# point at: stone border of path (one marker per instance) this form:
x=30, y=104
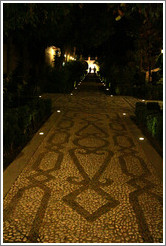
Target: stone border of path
x=12, y=172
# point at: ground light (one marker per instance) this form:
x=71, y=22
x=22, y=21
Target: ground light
x=58, y=111
x=107, y=89
x=40, y=96
x=124, y=113
x=41, y=133
x=111, y=95
x=71, y=94
x=141, y=138
x=75, y=88
x=143, y=100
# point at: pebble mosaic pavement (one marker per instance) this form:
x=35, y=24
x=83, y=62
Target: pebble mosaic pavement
x=88, y=182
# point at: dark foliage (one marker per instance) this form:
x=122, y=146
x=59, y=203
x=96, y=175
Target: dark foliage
x=151, y=117
x=61, y=80
x=19, y=124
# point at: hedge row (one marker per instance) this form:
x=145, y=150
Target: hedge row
x=146, y=91
x=19, y=123
x=150, y=116
x=62, y=79
x=150, y=92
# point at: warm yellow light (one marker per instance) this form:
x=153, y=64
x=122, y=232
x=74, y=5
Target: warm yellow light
x=52, y=51
x=118, y=18
x=41, y=133
x=141, y=138
x=124, y=113
x=72, y=58
x=58, y=111
x=92, y=66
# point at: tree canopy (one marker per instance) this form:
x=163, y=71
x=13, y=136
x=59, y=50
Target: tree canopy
x=119, y=34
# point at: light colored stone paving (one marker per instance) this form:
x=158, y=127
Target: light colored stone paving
x=88, y=182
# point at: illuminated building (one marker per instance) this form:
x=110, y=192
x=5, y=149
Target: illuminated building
x=50, y=54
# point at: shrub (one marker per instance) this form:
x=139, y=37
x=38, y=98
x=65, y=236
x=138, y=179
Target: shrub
x=24, y=117
x=155, y=126
x=20, y=123
x=153, y=106
x=148, y=91
x=54, y=80
x=117, y=90
x=141, y=112
x=151, y=117
x=11, y=128
x=151, y=124
x=62, y=79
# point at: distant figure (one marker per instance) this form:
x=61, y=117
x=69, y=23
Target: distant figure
x=94, y=69
x=90, y=70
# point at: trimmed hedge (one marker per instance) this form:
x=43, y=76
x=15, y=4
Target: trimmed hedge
x=20, y=123
x=155, y=126
x=150, y=92
x=62, y=79
x=141, y=113
x=150, y=116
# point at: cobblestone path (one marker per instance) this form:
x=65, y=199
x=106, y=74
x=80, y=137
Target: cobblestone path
x=89, y=181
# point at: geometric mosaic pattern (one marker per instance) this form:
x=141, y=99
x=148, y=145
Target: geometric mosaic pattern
x=88, y=182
